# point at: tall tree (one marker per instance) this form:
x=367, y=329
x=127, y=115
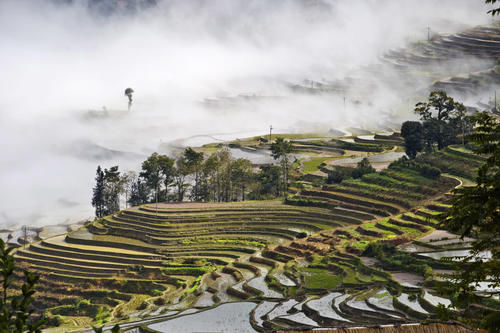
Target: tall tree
x=139, y=193
x=194, y=162
x=113, y=186
x=281, y=149
x=127, y=180
x=168, y=171
x=412, y=132
x=152, y=174
x=181, y=172
x=476, y=210
x=220, y=180
x=268, y=182
x=209, y=170
x=242, y=174
x=98, y=193
x=437, y=115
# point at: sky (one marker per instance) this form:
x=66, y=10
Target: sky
x=59, y=61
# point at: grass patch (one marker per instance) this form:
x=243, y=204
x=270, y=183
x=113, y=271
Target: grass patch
x=317, y=278
x=314, y=164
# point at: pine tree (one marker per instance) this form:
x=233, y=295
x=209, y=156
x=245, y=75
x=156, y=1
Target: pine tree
x=98, y=193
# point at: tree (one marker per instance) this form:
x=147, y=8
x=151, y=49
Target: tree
x=15, y=305
x=281, y=149
x=98, y=193
x=181, y=172
x=127, y=180
x=218, y=168
x=194, y=162
x=209, y=184
x=437, y=115
x=475, y=211
x=152, y=173
x=167, y=170
x=362, y=168
x=268, y=182
x=412, y=132
x=128, y=93
x=241, y=175
x=113, y=186
x=139, y=193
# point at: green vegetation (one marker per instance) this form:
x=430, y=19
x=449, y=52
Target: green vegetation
x=314, y=164
x=16, y=300
x=476, y=211
x=317, y=278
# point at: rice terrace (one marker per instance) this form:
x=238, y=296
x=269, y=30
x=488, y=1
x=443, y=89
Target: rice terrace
x=371, y=204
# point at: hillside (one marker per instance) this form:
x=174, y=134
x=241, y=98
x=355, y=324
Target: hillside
x=297, y=261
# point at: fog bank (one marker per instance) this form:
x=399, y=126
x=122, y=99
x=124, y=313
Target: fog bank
x=60, y=60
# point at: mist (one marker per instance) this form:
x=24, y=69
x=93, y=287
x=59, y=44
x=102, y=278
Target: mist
x=61, y=60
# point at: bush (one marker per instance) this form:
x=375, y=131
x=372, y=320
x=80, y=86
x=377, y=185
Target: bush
x=160, y=301
x=334, y=177
x=363, y=168
x=143, y=305
x=423, y=169
x=302, y=234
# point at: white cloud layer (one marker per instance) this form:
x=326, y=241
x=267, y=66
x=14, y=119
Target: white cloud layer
x=59, y=61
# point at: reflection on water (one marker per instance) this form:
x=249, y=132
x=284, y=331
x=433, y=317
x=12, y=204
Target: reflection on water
x=229, y=317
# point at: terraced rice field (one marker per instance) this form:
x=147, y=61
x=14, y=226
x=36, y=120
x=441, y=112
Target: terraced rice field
x=286, y=264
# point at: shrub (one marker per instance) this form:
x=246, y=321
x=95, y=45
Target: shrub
x=334, y=177
x=143, y=305
x=302, y=234
x=422, y=168
x=160, y=301
x=363, y=168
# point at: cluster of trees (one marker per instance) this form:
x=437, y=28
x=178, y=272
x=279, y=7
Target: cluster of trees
x=443, y=121
x=339, y=173
x=217, y=178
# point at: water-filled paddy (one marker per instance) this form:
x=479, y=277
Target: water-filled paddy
x=403, y=298
x=383, y=300
x=260, y=284
x=256, y=157
x=221, y=284
x=205, y=300
x=338, y=300
x=284, y=280
x=379, y=158
x=262, y=309
x=301, y=319
x=367, y=137
x=457, y=254
x=436, y=300
x=324, y=306
x=360, y=305
x=282, y=309
x=52, y=230
x=229, y=317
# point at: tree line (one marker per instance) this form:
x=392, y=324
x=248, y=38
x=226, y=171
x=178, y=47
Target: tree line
x=217, y=178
